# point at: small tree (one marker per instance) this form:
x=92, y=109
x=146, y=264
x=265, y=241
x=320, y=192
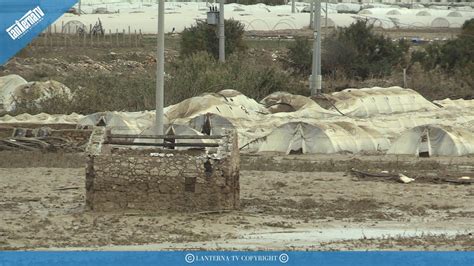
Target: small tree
x=204, y=37
x=373, y=54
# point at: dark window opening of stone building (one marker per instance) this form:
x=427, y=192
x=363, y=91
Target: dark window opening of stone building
x=190, y=184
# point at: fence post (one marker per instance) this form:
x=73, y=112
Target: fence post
x=136, y=39
x=90, y=34
x=117, y=37
x=141, y=38
x=123, y=39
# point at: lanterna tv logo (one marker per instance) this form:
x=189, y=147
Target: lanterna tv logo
x=24, y=24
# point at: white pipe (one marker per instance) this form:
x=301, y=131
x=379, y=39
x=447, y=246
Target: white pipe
x=160, y=58
x=221, y=32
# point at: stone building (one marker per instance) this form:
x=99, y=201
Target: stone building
x=150, y=178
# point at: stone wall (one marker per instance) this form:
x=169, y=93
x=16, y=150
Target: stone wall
x=162, y=179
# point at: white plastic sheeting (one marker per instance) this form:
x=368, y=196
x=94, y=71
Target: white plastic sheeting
x=370, y=101
x=14, y=88
x=179, y=15
x=373, y=122
x=227, y=103
x=8, y=85
x=42, y=119
x=441, y=141
x=322, y=138
x=121, y=122
x=457, y=104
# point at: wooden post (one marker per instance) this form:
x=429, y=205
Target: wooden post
x=123, y=38
x=141, y=38
x=90, y=33
x=45, y=36
x=117, y=37
x=136, y=39
x=76, y=34
x=130, y=36
x=110, y=37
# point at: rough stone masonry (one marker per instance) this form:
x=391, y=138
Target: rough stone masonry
x=161, y=179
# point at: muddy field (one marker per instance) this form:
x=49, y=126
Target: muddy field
x=42, y=206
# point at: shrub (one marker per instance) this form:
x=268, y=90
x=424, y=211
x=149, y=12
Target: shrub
x=187, y=77
x=204, y=37
x=368, y=54
x=299, y=57
x=454, y=55
x=199, y=73
x=355, y=51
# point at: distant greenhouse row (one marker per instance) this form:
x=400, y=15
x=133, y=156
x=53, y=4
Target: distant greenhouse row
x=142, y=16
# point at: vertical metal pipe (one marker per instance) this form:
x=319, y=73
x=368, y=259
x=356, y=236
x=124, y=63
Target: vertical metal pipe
x=160, y=58
x=221, y=32
x=318, y=46
x=326, y=21
x=315, y=80
x=311, y=15
x=293, y=7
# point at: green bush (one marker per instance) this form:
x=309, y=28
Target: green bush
x=204, y=37
x=453, y=55
x=365, y=54
x=354, y=51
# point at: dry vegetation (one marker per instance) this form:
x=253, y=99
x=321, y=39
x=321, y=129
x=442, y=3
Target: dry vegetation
x=119, y=78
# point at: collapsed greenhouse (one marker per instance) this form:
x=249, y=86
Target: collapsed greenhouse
x=371, y=120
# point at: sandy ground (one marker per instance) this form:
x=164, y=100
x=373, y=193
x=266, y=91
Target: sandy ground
x=44, y=208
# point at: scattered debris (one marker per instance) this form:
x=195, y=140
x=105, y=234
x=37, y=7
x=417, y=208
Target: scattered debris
x=66, y=188
x=47, y=143
x=405, y=179
x=399, y=177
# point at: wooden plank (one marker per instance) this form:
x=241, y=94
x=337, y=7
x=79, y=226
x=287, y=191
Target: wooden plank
x=164, y=144
x=125, y=136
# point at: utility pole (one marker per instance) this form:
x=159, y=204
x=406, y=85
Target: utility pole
x=293, y=7
x=221, y=32
x=160, y=59
x=315, y=82
x=326, y=22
